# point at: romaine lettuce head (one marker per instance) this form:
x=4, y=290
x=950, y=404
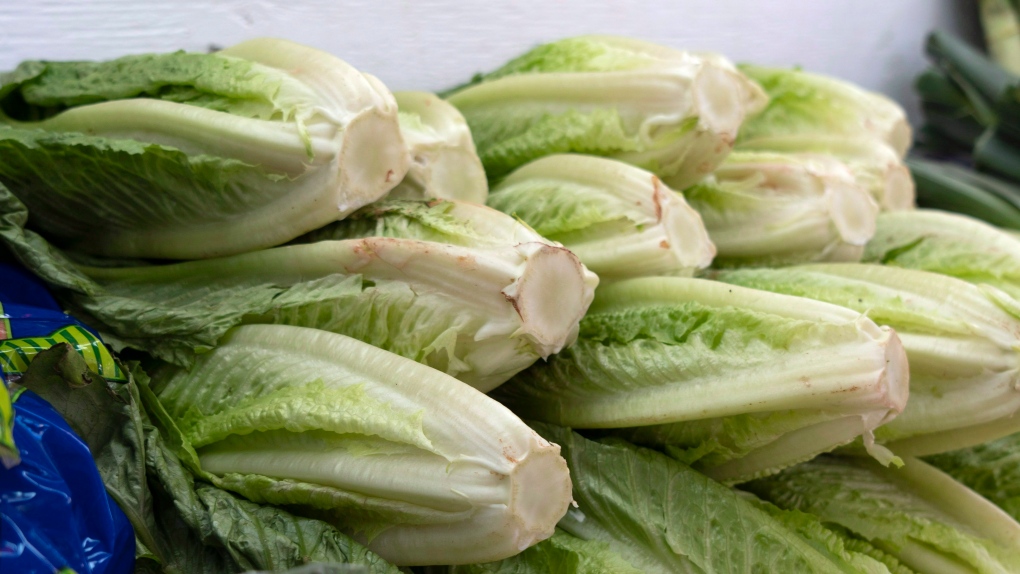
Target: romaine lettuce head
x=421, y=467
x=961, y=341
x=196, y=155
x=458, y=286
x=874, y=164
x=807, y=104
x=920, y=515
x=443, y=163
x=772, y=208
x=620, y=220
x=992, y=469
x=950, y=244
x=738, y=382
x=671, y=112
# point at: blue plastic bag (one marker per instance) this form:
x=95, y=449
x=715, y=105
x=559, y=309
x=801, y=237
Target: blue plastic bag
x=55, y=514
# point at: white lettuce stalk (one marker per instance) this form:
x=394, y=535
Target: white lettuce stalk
x=443, y=164
x=620, y=220
x=961, y=341
x=874, y=164
x=422, y=468
x=674, y=113
x=739, y=382
x=460, y=287
x=917, y=513
x=772, y=208
x=196, y=155
x=807, y=104
x=950, y=244
x=992, y=469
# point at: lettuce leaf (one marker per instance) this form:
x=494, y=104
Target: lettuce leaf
x=563, y=553
x=947, y=243
x=920, y=515
x=661, y=516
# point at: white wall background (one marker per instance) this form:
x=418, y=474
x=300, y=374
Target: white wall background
x=434, y=44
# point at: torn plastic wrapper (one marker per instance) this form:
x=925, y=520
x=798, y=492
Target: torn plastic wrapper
x=55, y=514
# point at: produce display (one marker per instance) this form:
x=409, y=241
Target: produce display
x=612, y=307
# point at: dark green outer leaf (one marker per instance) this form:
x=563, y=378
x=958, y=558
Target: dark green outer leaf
x=662, y=516
x=562, y=554
x=41, y=88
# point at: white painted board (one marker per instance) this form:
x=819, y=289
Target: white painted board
x=435, y=44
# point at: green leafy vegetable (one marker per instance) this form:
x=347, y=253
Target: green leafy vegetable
x=960, y=339
x=673, y=113
x=196, y=155
x=771, y=208
x=918, y=514
x=457, y=286
x=424, y=469
x=620, y=220
x=854, y=553
x=873, y=164
x=443, y=160
x=662, y=517
x=806, y=104
x=950, y=244
x=737, y=381
x=563, y=553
